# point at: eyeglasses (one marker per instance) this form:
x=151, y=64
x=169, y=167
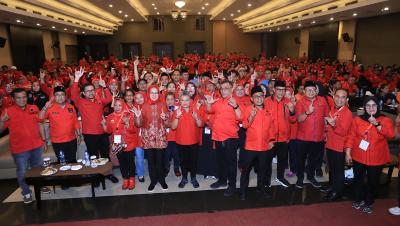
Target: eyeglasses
x=371, y=106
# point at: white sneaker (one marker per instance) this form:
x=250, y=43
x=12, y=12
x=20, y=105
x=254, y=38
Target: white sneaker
x=395, y=211
x=275, y=160
x=27, y=198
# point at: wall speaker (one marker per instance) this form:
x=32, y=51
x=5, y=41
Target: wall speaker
x=297, y=40
x=346, y=37
x=2, y=42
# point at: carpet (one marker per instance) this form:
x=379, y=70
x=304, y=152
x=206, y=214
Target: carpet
x=327, y=214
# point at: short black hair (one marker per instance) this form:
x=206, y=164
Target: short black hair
x=17, y=90
x=86, y=85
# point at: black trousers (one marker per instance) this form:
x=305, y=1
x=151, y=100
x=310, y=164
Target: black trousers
x=69, y=148
x=242, y=140
x=248, y=159
x=366, y=192
x=310, y=151
x=227, y=160
x=155, y=161
x=293, y=155
x=280, y=150
x=398, y=187
x=126, y=161
x=336, y=170
x=188, y=159
x=98, y=145
x=171, y=152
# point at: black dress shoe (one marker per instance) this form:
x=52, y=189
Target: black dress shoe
x=229, y=191
x=113, y=179
x=326, y=189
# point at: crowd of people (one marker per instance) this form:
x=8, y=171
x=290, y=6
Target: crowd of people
x=209, y=116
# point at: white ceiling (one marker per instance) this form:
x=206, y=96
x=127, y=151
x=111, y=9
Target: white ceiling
x=98, y=17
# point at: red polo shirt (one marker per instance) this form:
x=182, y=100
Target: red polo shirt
x=129, y=135
x=313, y=127
x=260, y=132
x=187, y=132
x=63, y=123
x=225, y=124
x=91, y=111
x=24, y=128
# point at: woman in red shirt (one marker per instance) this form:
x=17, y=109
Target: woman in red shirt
x=186, y=122
x=122, y=127
x=368, y=150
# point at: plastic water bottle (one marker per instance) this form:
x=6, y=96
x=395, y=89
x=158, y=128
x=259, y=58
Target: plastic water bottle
x=393, y=103
x=62, y=158
x=87, y=160
x=381, y=105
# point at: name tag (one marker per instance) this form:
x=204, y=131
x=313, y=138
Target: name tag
x=207, y=130
x=117, y=139
x=167, y=129
x=240, y=125
x=364, y=145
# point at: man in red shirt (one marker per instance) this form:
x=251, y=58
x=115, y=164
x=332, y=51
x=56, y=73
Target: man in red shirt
x=260, y=135
x=311, y=112
x=64, y=126
x=338, y=124
x=26, y=137
x=91, y=111
x=282, y=112
x=227, y=116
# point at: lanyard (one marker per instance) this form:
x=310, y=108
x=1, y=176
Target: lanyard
x=336, y=114
x=367, y=131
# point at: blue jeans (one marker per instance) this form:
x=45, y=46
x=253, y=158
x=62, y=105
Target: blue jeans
x=32, y=158
x=139, y=161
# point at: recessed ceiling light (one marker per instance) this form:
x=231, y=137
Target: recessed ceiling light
x=75, y=30
x=153, y=4
x=203, y=8
x=206, y=4
x=126, y=15
x=83, y=32
x=249, y=5
x=238, y=10
x=199, y=13
x=385, y=9
x=120, y=11
x=132, y=19
x=224, y=18
x=53, y=27
x=65, y=29
x=158, y=13
x=269, y=30
x=38, y=25
x=110, y=5
x=288, y=27
x=18, y=21
x=313, y=22
x=299, y=25
x=155, y=8
x=278, y=28
x=232, y=14
x=331, y=18
x=355, y=14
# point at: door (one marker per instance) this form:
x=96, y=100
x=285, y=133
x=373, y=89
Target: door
x=72, y=54
x=195, y=47
x=130, y=50
x=98, y=51
x=162, y=49
x=318, y=50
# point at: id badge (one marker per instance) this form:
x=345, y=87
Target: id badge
x=167, y=129
x=117, y=139
x=207, y=130
x=364, y=145
x=240, y=125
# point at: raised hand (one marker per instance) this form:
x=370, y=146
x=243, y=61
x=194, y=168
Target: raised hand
x=210, y=99
x=4, y=117
x=311, y=108
x=163, y=116
x=331, y=121
x=253, y=112
x=42, y=74
x=79, y=74
x=232, y=102
x=178, y=113
x=136, y=111
x=195, y=115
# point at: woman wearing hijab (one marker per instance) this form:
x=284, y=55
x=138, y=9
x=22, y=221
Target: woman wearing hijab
x=154, y=136
x=367, y=149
